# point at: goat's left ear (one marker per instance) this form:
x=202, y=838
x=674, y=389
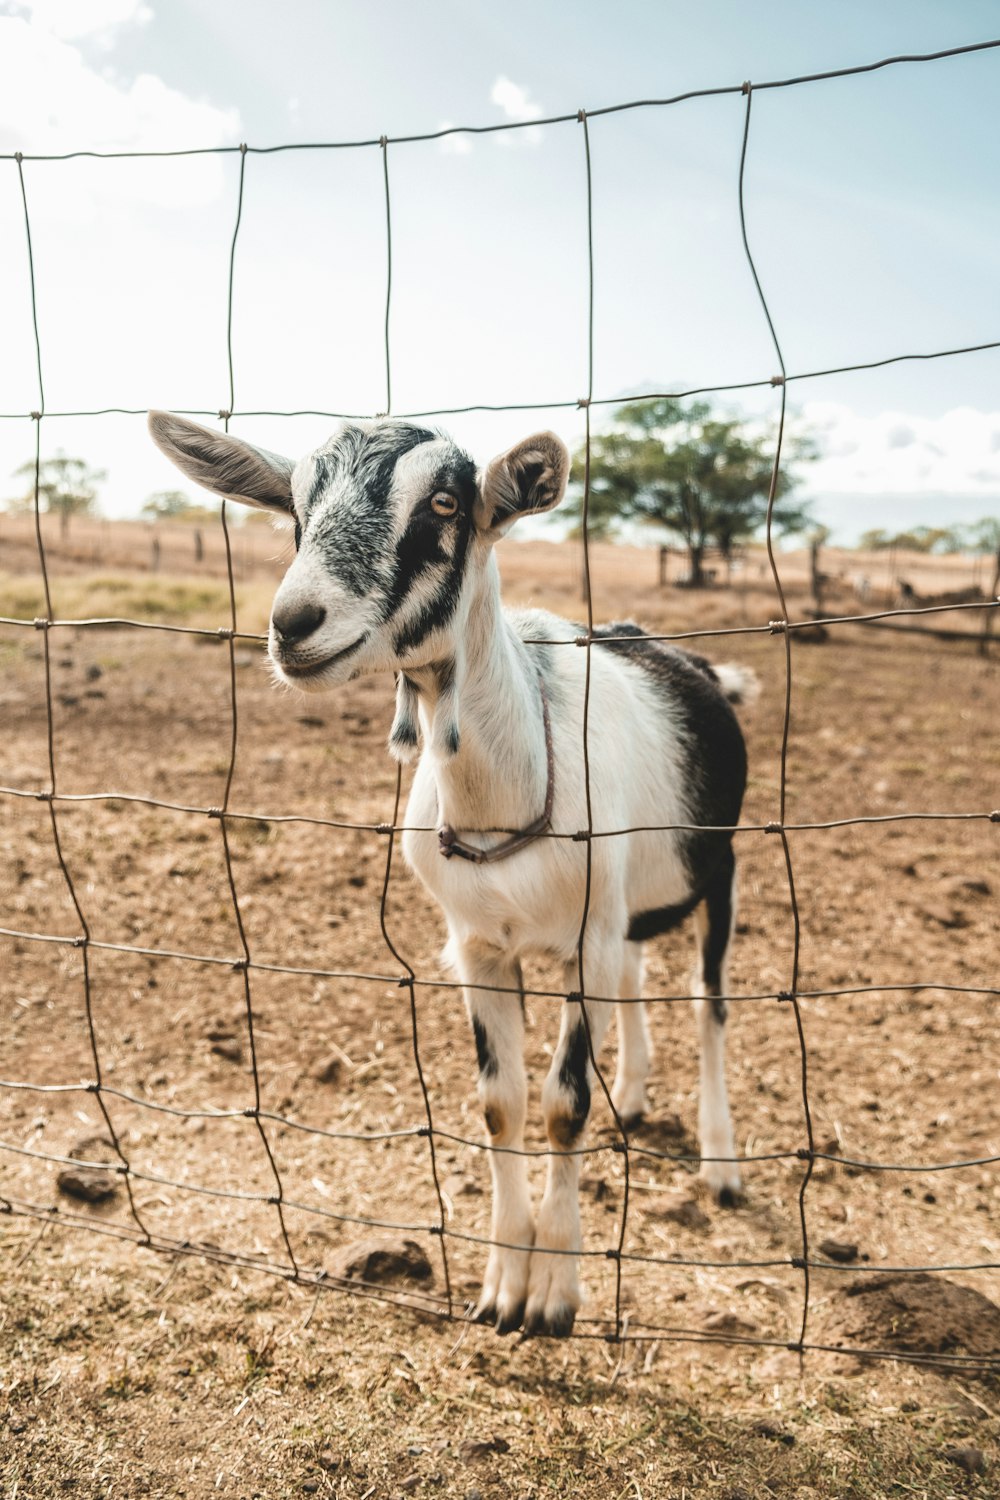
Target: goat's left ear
x=527, y=479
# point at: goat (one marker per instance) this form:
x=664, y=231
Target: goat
x=395, y=570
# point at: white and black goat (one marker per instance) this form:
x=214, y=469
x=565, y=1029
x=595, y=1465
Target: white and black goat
x=395, y=571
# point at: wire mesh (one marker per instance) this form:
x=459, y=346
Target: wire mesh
x=108, y=1097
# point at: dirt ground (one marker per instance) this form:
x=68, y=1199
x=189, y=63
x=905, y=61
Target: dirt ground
x=128, y=1372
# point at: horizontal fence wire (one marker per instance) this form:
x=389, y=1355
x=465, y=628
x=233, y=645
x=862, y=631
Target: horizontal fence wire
x=621, y=1143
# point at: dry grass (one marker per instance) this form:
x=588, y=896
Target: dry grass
x=126, y=1374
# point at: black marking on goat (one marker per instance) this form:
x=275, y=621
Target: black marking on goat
x=404, y=732
x=359, y=468
x=661, y=919
x=575, y=1084
x=298, y=533
x=445, y=672
x=485, y=1056
x=714, y=752
x=719, y=912
x=420, y=548
x=453, y=740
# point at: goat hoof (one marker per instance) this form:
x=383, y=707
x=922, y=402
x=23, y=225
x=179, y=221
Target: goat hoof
x=633, y=1121
x=728, y=1197
x=509, y=1322
x=557, y=1326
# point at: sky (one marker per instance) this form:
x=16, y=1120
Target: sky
x=871, y=202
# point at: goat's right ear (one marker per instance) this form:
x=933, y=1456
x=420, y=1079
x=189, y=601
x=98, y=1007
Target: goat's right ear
x=224, y=464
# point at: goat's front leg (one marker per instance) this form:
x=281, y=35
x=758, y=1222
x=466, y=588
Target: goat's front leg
x=498, y=1026
x=554, y=1289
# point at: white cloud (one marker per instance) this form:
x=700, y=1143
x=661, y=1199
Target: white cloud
x=52, y=100
x=516, y=105
x=70, y=19
x=897, y=453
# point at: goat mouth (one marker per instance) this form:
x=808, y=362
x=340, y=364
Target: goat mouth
x=315, y=668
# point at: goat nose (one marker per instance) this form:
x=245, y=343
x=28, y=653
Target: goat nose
x=297, y=621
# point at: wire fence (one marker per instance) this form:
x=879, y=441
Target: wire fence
x=291, y=1264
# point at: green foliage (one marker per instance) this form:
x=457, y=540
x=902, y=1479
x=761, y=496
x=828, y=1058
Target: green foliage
x=978, y=536
x=704, y=478
x=66, y=487
x=175, y=505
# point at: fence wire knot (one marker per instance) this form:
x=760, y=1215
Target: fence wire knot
x=747, y=86
x=786, y=996
x=41, y=623
x=995, y=815
x=36, y=416
x=224, y=415
x=772, y=827
x=225, y=632
x=44, y=796
x=582, y=402
x=777, y=627
x=777, y=379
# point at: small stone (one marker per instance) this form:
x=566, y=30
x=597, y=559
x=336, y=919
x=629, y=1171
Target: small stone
x=968, y=1458
x=94, y=672
x=776, y=1434
x=729, y=1323
x=473, y=1494
x=596, y=1187
x=328, y=1460
x=909, y=1406
x=458, y=1186
x=90, y=1184
x=410, y=1483
x=381, y=1259
x=943, y=914
x=414, y=1450
x=310, y=1486
x=311, y=721
x=473, y=1448
x=839, y=1251
x=687, y=1212
x=230, y=1050
x=329, y=1071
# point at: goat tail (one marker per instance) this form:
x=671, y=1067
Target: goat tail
x=739, y=684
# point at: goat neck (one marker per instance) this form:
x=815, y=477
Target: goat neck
x=481, y=716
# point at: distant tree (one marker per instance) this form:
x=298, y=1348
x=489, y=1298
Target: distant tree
x=66, y=487
x=984, y=535
x=703, y=478
x=875, y=540
x=175, y=505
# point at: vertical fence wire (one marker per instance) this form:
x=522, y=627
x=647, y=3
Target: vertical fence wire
x=49, y=796
x=791, y=995
x=277, y=1198
x=409, y=981
x=587, y=836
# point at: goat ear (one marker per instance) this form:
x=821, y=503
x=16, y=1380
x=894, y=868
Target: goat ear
x=224, y=464
x=527, y=479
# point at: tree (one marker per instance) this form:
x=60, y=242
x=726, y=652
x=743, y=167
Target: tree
x=66, y=486
x=175, y=505
x=702, y=477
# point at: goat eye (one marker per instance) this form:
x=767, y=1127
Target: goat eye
x=443, y=504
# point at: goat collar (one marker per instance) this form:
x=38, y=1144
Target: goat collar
x=448, y=841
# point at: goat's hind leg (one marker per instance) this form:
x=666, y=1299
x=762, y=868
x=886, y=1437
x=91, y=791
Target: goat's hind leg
x=629, y=1092
x=714, y=924
x=498, y=1025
